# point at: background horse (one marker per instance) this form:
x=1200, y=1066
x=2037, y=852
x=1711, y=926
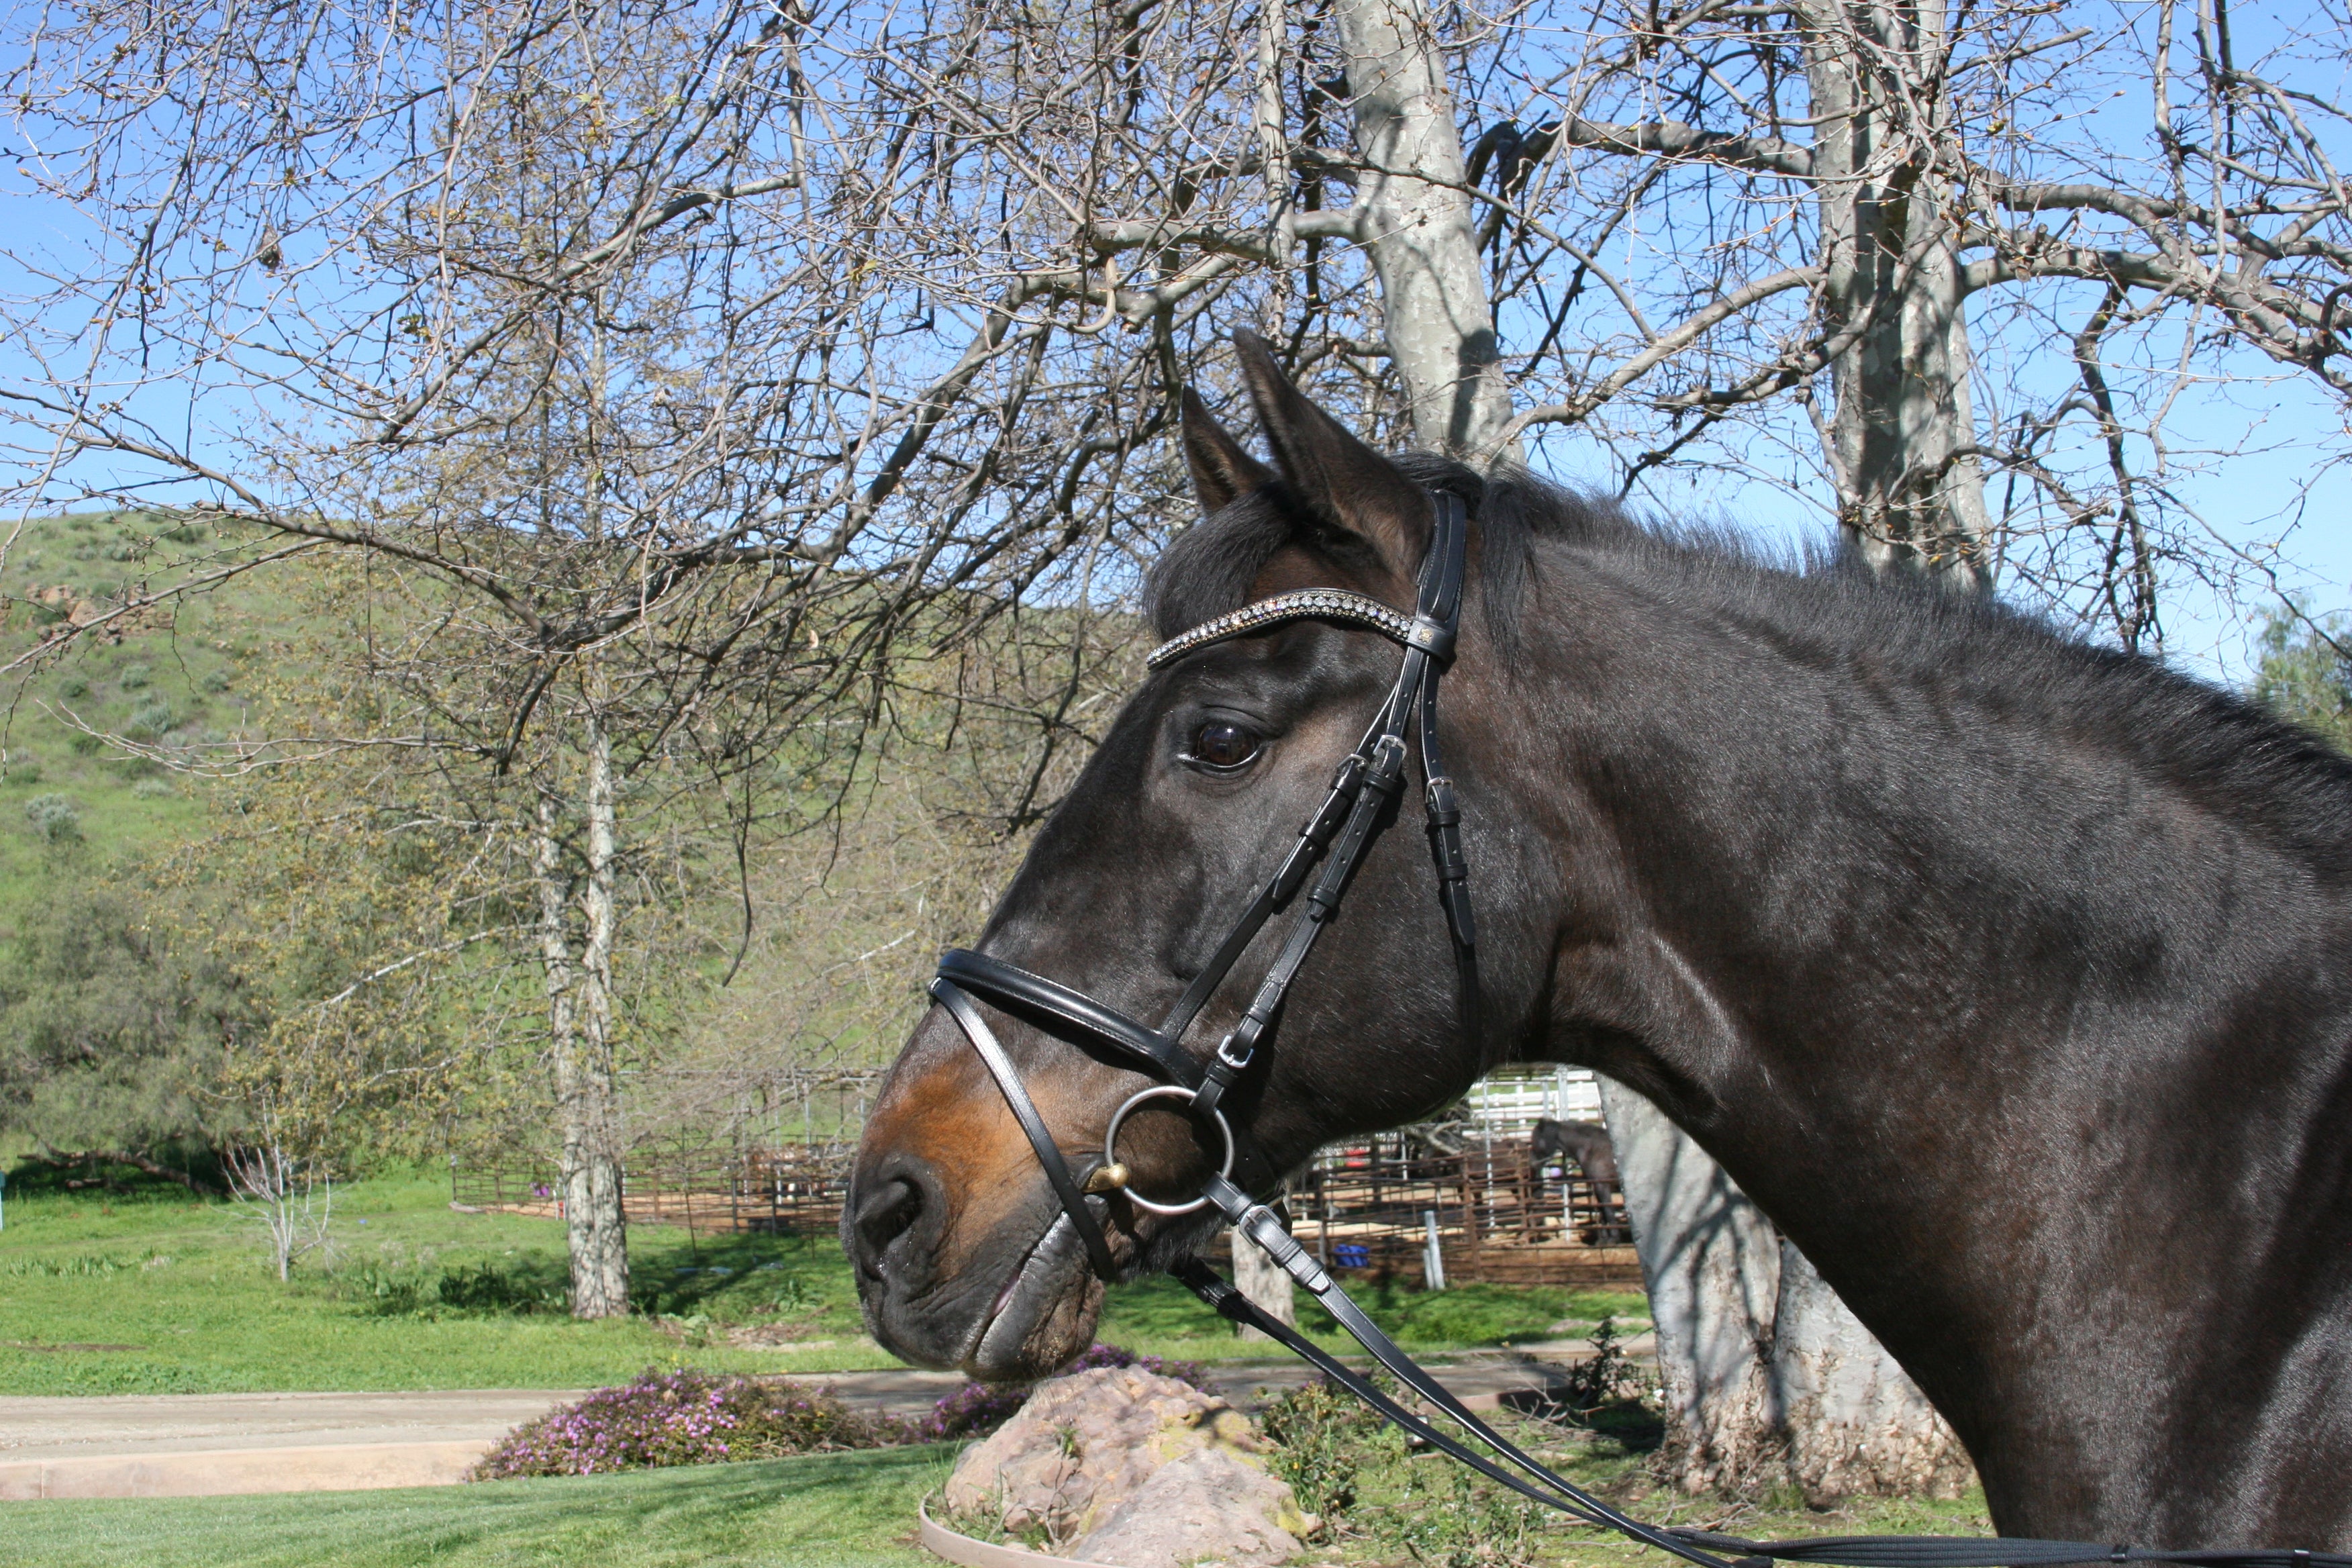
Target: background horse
x=1585, y=1145
x=2011, y=977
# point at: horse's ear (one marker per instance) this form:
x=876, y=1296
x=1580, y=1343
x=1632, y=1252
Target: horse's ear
x=1223, y=470
x=1343, y=482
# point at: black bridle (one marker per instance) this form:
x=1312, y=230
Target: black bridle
x=1336, y=838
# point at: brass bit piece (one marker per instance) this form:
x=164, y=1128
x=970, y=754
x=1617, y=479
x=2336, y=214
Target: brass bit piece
x=1105, y=1179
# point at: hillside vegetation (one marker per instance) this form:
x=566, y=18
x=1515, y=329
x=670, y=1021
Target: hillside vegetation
x=183, y=675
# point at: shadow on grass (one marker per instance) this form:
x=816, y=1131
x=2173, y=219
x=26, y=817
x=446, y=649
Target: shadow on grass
x=725, y=1278
x=119, y=1183
x=1474, y=1314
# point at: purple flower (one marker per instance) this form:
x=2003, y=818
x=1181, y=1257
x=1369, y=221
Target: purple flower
x=675, y=1418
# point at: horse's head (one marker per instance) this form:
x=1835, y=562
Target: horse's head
x=1192, y=801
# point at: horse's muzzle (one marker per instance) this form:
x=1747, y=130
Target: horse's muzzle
x=1021, y=1302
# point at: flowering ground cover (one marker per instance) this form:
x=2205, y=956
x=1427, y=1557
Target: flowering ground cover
x=688, y=1416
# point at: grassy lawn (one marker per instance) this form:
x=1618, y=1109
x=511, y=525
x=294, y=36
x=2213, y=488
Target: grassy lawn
x=150, y=1291
x=176, y=1297
x=859, y=1509
x=822, y=1508
x=848, y=1509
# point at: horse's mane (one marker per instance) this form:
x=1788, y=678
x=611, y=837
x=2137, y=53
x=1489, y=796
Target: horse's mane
x=2221, y=745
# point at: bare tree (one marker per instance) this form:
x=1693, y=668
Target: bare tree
x=291, y=1195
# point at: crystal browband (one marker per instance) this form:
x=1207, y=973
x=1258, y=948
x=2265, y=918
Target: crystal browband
x=1307, y=605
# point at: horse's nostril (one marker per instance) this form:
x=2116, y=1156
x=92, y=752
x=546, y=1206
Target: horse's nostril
x=883, y=1214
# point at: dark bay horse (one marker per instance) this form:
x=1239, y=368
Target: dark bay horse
x=1585, y=1145
x=2012, y=977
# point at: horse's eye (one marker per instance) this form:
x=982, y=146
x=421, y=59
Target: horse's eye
x=1222, y=745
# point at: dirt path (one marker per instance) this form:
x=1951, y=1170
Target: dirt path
x=197, y=1445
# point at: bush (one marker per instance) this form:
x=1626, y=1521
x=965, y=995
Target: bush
x=24, y=773
x=73, y=686
x=134, y=677
x=54, y=817
x=686, y=1417
x=151, y=789
x=978, y=1408
x=152, y=720
x=1323, y=1436
x=84, y=743
x=482, y=1291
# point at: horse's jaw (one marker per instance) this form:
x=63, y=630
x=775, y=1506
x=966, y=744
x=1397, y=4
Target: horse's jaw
x=1044, y=1316
x=1025, y=1305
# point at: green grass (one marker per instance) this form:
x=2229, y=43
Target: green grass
x=1384, y=1505
x=848, y=1509
x=150, y=1291
x=200, y=660
x=185, y=1287
x=1160, y=1316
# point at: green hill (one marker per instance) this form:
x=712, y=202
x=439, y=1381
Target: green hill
x=170, y=676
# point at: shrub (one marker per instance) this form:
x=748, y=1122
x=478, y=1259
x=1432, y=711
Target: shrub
x=1322, y=1436
x=54, y=817
x=133, y=676
x=484, y=1289
x=214, y=681
x=978, y=1408
x=24, y=773
x=686, y=1416
x=73, y=686
x=152, y=720
x=151, y=789
x=84, y=743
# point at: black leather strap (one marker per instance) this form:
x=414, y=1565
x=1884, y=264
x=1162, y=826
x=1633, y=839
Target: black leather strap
x=1017, y=991
x=1024, y=1111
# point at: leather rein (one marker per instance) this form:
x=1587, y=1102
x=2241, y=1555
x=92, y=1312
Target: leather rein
x=1336, y=838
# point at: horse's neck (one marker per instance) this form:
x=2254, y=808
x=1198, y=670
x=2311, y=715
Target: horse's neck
x=2015, y=1041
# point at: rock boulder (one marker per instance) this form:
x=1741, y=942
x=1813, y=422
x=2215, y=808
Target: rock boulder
x=1122, y=1465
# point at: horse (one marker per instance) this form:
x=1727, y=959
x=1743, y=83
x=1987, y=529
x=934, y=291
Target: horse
x=2011, y=975
x=1584, y=1144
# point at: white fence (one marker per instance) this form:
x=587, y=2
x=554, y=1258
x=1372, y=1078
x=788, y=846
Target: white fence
x=1510, y=1102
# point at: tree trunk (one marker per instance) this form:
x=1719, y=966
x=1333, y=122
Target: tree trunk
x=1769, y=1376
x=1856, y=1421
x=579, y=1037
x=1439, y=325
x=1263, y=1280
x=1712, y=1266
x=1712, y=1262
x=1910, y=493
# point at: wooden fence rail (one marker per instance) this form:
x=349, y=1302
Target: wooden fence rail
x=1366, y=1207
